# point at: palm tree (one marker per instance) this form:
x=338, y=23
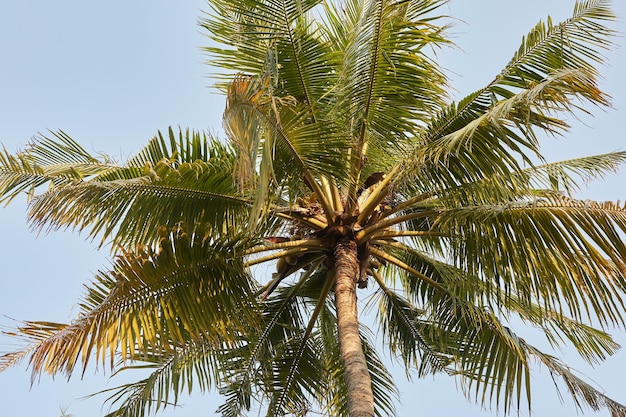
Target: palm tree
x=348, y=169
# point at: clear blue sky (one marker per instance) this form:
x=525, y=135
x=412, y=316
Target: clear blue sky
x=112, y=73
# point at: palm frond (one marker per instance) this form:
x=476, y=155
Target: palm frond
x=195, y=363
x=403, y=328
x=130, y=211
x=494, y=362
x=179, y=147
x=161, y=186
x=379, y=111
x=256, y=31
x=491, y=361
x=341, y=133
x=391, y=37
x=127, y=202
x=582, y=392
x=53, y=161
x=580, y=263
x=383, y=386
x=495, y=137
x=300, y=373
x=554, y=66
x=150, y=301
x=573, y=44
x=279, y=143
x=248, y=365
x=592, y=344
x=567, y=176
x=549, y=179
x=458, y=323
x=486, y=355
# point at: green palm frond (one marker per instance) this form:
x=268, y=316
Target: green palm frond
x=172, y=371
x=486, y=355
x=501, y=132
x=388, y=84
x=390, y=38
x=186, y=180
x=459, y=328
x=130, y=211
x=593, y=345
x=583, y=393
x=580, y=242
x=161, y=186
x=256, y=31
x=179, y=147
x=296, y=374
x=289, y=370
x=492, y=362
x=566, y=175
x=247, y=366
x=278, y=39
x=406, y=333
x=150, y=301
x=383, y=386
x=549, y=179
x=553, y=67
x=283, y=362
x=575, y=43
x=48, y=161
x=302, y=364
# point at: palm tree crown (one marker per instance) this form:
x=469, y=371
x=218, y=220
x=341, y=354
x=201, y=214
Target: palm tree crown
x=348, y=168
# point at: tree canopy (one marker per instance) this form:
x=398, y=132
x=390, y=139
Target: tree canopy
x=347, y=166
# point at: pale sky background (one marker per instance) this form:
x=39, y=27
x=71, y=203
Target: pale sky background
x=110, y=74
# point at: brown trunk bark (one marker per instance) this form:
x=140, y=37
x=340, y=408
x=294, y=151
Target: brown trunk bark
x=358, y=381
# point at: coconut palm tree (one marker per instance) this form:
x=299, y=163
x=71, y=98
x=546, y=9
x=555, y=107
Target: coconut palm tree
x=349, y=171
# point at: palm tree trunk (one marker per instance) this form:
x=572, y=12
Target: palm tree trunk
x=360, y=397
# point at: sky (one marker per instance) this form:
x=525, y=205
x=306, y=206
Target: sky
x=111, y=74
